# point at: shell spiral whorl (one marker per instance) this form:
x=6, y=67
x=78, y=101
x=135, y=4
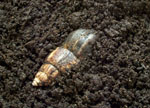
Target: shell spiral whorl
x=80, y=41
x=63, y=58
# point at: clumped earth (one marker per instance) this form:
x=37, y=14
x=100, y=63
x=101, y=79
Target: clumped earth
x=116, y=74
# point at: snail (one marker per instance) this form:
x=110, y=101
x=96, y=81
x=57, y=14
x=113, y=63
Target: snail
x=66, y=56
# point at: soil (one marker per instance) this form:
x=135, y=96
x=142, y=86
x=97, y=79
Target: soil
x=116, y=74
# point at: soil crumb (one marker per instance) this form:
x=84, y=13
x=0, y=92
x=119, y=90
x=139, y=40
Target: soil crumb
x=115, y=75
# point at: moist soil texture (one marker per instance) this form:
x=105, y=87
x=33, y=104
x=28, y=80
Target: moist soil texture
x=115, y=74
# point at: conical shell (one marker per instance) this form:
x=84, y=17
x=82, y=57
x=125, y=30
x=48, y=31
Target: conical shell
x=45, y=75
x=76, y=46
x=60, y=60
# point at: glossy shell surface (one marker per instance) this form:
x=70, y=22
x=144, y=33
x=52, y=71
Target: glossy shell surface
x=76, y=46
x=62, y=58
x=80, y=41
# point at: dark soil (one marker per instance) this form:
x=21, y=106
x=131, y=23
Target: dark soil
x=115, y=75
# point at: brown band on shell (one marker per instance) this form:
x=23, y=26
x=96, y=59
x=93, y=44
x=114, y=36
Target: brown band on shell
x=48, y=69
x=76, y=46
x=62, y=58
x=46, y=74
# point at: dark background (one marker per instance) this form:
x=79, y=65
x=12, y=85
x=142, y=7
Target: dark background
x=116, y=74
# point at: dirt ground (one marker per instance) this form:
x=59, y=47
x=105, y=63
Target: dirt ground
x=116, y=74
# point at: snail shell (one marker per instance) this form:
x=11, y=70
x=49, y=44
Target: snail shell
x=80, y=41
x=63, y=58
